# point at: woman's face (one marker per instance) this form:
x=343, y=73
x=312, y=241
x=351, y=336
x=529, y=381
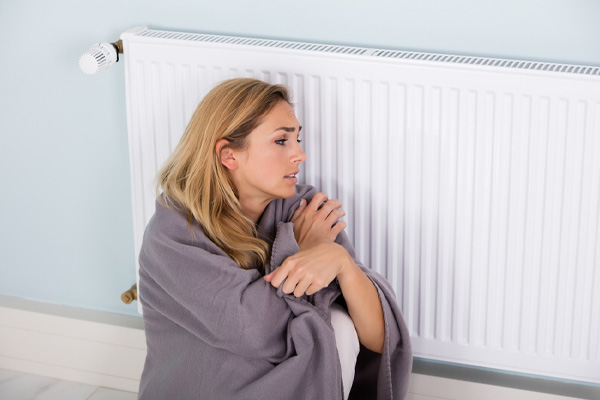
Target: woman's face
x=267, y=167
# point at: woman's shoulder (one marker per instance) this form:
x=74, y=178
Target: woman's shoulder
x=284, y=208
x=303, y=191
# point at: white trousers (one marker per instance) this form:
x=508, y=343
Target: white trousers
x=346, y=341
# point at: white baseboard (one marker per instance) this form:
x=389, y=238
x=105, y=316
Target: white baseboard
x=91, y=352
x=425, y=387
x=108, y=354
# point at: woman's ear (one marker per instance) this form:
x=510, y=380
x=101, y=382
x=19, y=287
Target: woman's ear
x=226, y=154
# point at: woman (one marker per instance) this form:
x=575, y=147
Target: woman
x=249, y=286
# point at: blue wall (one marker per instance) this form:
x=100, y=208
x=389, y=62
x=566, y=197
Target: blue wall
x=65, y=205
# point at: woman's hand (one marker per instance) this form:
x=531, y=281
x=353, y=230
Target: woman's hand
x=317, y=222
x=309, y=271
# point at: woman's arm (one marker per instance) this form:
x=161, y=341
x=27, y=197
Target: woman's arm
x=364, y=306
x=308, y=271
x=321, y=260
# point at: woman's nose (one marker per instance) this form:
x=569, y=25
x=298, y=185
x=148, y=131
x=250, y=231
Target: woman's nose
x=299, y=155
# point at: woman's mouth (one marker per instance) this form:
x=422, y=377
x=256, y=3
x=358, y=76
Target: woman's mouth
x=292, y=177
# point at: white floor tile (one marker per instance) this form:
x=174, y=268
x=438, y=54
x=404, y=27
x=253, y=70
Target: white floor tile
x=111, y=394
x=20, y=386
x=6, y=374
x=63, y=390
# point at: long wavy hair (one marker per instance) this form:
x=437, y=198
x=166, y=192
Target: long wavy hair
x=194, y=178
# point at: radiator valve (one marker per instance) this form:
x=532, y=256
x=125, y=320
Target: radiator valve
x=130, y=295
x=100, y=57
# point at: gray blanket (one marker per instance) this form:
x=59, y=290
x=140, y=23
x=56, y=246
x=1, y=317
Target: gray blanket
x=216, y=331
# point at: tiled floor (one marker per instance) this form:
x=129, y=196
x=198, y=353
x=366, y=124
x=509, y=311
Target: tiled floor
x=19, y=386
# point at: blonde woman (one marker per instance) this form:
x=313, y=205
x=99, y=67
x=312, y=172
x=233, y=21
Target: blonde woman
x=249, y=285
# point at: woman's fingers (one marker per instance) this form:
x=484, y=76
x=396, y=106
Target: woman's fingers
x=279, y=274
x=269, y=277
x=295, y=281
x=309, y=271
x=301, y=287
x=314, y=222
x=299, y=210
x=329, y=211
x=301, y=278
x=337, y=228
x=334, y=216
x=312, y=289
x=328, y=207
x=317, y=201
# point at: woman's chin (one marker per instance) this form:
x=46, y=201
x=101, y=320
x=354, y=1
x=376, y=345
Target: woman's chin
x=290, y=193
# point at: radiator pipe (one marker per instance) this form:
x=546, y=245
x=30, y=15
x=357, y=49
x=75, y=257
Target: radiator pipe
x=119, y=46
x=130, y=295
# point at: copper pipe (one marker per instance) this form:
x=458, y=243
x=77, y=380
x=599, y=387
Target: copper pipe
x=130, y=295
x=119, y=45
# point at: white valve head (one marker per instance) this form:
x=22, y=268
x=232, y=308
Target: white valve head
x=99, y=57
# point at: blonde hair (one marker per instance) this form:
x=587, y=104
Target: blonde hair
x=194, y=178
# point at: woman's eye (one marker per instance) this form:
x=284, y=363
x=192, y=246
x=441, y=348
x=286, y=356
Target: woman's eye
x=281, y=141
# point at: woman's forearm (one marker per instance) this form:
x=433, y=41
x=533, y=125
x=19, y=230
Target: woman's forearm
x=364, y=306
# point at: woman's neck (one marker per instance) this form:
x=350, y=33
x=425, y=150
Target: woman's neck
x=253, y=210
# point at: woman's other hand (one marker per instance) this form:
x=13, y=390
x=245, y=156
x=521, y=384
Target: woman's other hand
x=317, y=222
x=309, y=271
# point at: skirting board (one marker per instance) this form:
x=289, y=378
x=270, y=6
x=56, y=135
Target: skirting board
x=110, y=352
x=94, y=352
x=425, y=387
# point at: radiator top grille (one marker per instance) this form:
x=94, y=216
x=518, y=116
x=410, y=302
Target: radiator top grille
x=380, y=53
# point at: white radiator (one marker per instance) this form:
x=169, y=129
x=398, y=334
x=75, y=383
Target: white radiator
x=471, y=183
